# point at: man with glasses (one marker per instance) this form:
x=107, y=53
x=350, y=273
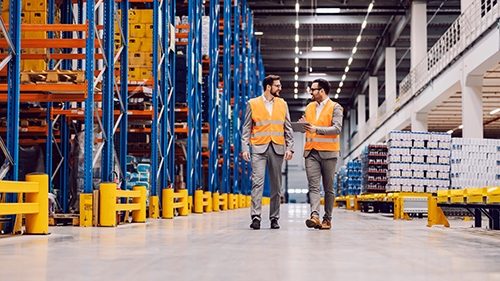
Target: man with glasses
x=268, y=131
x=321, y=150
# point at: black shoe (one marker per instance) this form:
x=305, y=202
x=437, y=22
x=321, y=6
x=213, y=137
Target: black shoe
x=274, y=224
x=255, y=224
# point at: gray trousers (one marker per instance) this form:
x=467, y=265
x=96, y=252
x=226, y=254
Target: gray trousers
x=273, y=162
x=317, y=168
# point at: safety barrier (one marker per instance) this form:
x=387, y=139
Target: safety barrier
x=35, y=206
x=202, y=201
x=477, y=201
x=401, y=204
x=221, y=201
x=169, y=204
x=266, y=200
x=108, y=205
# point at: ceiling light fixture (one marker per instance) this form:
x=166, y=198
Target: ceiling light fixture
x=296, y=90
x=296, y=69
x=296, y=77
x=327, y=10
x=296, y=38
x=296, y=60
x=296, y=50
x=317, y=74
x=321, y=49
x=297, y=7
x=461, y=126
x=495, y=111
x=258, y=33
x=336, y=96
x=296, y=84
x=450, y=132
x=297, y=24
x=355, y=48
x=310, y=69
x=295, y=96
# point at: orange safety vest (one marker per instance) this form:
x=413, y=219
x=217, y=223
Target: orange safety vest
x=321, y=142
x=268, y=128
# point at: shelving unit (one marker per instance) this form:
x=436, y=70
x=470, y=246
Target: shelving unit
x=94, y=43
x=374, y=165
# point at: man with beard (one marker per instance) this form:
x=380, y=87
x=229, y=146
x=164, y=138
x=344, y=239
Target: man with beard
x=321, y=150
x=267, y=129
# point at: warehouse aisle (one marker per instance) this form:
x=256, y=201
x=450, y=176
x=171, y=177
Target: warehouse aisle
x=221, y=246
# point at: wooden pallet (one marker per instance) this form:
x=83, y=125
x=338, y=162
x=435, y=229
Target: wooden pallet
x=64, y=219
x=53, y=76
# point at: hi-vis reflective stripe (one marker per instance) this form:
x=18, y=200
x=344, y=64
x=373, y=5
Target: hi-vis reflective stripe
x=266, y=122
x=263, y=122
x=265, y=134
x=322, y=140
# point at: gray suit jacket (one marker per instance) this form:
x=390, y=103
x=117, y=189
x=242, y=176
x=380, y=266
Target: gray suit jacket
x=334, y=129
x=247, y=130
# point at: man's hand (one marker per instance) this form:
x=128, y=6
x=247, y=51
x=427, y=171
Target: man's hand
x=302, y=119
x=310, y=129
x=246, y=156
x=288, y=155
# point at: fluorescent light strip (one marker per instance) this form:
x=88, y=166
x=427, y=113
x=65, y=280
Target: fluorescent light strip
x=327, y=10
x=321, y=49
x=258, y=33
x=495, y=111
x=317, y=74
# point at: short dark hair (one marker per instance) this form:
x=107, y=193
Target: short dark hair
x=269, y=80
x=323, y=84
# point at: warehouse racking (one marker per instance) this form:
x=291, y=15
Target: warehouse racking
x=92, y=41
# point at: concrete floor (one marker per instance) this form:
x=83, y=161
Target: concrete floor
x=221, y=246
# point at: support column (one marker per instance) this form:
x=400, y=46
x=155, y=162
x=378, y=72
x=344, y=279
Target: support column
x=344, y=138
x=390, y=77
x=418, y=32
x=472, y=106
x=352, y=122
x=361, y=113
x=419, y=121
x=464, y=4
x=373, y=98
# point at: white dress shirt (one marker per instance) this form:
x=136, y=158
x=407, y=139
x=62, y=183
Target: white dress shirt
x=319, y=107
x=269, y=105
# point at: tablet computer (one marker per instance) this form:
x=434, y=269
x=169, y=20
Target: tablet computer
x=299, y=126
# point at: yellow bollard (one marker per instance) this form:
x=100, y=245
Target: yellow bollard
x=190, y=204
x=249, y=200
x=208, y=206
x=168, y=203
x=139, y=215
x=215, y=202
x=107, y=202
x=231, y=201
x=154, y=207
x=225, y=202
x=184, y=211
x=198, y=201
x=38, y=223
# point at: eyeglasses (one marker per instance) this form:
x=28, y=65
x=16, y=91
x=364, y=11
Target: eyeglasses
x=277, y=86
x=315, y=89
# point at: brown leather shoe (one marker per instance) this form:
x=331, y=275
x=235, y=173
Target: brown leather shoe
x=313, y=222
x=326, y=224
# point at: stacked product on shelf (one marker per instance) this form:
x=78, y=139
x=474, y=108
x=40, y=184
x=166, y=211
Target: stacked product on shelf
x=374, y=163
x=140, y=43
x=353, y=177
x=418, y=161
x=341, y=182
x=475, y=163
x=138, y=172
